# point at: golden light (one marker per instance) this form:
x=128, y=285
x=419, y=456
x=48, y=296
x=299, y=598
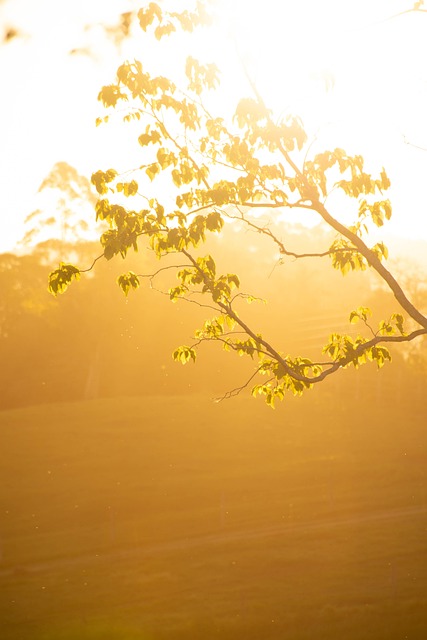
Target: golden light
x=323, y=60
x=355, y=74
x=352, y=71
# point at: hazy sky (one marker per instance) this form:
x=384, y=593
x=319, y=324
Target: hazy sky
x=357, y=75
x=49, y=96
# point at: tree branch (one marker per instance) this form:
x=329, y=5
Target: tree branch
x=374, y=261
x=235, y=392
x=266, y=231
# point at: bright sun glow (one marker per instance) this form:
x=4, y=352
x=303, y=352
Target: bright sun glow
x=325, y=61
x=334, y=63
x=337, y=65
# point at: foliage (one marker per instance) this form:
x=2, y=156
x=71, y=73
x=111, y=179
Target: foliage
x=96, y=342
x=221, y=171
x=65, y=197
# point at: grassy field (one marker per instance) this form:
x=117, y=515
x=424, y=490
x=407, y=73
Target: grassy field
x=178, y=518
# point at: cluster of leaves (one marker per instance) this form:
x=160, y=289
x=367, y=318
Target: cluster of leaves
x=221, y=170
x=128, y=281
x=344, y=348
x=167, y=24
x=60, y=278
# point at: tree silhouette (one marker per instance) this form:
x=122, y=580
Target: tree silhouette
x=202, y=170
x=62, y=215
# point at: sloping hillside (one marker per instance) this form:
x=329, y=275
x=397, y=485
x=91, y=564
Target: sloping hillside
x=179, y=518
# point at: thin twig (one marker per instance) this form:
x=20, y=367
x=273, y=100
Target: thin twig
x=235, y=392
x=92, y=265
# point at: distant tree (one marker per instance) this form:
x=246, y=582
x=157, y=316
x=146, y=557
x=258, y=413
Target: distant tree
x=206, y=170
x=61, y=216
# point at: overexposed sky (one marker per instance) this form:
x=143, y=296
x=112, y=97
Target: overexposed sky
x=356, y=74
x=49, y=104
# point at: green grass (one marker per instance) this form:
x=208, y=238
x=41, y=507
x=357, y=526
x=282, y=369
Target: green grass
x=178, y=518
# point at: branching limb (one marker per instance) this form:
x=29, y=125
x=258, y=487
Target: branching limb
x=256, y=163
x=235, y=392
x=151, y=276
x=282, y=249
x=375, y=262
